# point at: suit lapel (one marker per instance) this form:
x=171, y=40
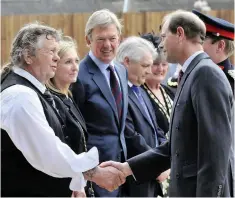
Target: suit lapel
x=149, y=107
x=134, y=98
x=101, y=82
x=191, y=66
x=76, y=112
x=123, y=86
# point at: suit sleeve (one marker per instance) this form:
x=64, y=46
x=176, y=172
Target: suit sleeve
x=151, y=163
x=212, y=103
x=161, y=137
x=135, y=142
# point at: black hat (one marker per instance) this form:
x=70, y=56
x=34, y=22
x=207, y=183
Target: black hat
x=155, y=40
x=216, y=26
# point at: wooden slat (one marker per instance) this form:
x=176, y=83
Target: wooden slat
x=74, y=25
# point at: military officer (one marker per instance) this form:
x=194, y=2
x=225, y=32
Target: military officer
x=219, y=43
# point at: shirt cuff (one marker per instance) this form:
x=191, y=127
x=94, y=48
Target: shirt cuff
x=85, y=162
x=134, y=177
x=77, y=183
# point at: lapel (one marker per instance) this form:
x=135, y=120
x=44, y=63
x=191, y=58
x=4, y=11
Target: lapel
x=191, y=66
x=121, y=72
x=134, y=98
x=149, y=106
x=76, y=112
x=101, y=82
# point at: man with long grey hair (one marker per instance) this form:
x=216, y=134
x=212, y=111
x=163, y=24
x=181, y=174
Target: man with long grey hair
x=200, y=149
x=142, y=132
x=36, y=160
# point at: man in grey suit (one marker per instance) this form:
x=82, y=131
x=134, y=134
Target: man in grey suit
x=104, y=100
x=199, y=150
x=142, y=131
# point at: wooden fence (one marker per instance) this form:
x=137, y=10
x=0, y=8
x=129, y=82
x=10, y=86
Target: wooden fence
x=74, y=24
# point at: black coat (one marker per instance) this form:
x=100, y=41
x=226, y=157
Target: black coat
x=161, y=118
x=140, y=136
x=74, y=124
x=200, y=144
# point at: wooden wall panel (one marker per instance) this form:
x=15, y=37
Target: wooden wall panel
x=74, y=25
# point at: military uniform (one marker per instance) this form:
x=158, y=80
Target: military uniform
x=229, y=71
x=219, y=28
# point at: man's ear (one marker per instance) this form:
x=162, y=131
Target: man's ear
x=126, y=62
x=180, y=33
x=220, y=46
x=88, y=42
x=27, y=57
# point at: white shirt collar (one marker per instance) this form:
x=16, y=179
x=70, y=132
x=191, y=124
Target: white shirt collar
x=189, y=60
x=23, y=73
x=102, y=66
x=130, y=84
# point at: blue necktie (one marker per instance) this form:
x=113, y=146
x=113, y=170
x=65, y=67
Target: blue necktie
x=137, y=91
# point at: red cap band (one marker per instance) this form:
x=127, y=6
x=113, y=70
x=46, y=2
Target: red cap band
x=224, y=33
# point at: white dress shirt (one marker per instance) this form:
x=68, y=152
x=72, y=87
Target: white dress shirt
x=23, y=118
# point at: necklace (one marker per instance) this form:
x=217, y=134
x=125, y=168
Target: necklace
x=164, y=108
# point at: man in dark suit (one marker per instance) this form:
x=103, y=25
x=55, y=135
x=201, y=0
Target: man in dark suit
x=104, y=105
x=200, y=146
x=142, y=131
x=219, y=43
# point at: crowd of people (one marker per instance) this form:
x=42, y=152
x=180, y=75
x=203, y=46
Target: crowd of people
x=107, y=125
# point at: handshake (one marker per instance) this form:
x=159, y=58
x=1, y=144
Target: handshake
x=109, y=175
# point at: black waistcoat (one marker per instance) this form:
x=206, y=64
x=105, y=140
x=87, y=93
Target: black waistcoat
x=18, y=177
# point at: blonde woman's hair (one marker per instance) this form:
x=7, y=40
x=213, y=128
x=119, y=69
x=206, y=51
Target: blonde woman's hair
x=65, y=45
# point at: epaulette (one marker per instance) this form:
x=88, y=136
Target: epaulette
x=172, y=82
x=231, y=72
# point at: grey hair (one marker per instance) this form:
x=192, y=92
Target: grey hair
x=27, y=40
x=102, y=18
x=135, y=48
x=193, y=26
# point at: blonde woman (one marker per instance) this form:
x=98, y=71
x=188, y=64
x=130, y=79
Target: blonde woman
x=73, y=122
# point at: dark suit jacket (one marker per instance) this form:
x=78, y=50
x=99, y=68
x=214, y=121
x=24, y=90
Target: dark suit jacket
x=200, y=144
x=105, y=130
x=140, y=136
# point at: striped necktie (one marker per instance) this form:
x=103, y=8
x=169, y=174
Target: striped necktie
x=115, y=88
x=181, y=73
